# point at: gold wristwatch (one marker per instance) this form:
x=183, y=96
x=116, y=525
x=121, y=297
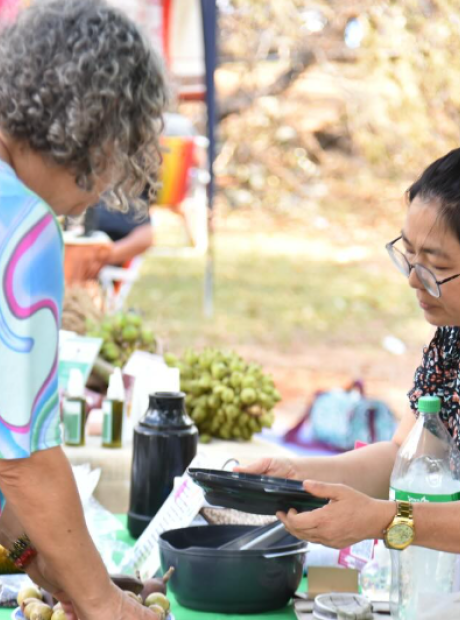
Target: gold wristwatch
x=401, y=531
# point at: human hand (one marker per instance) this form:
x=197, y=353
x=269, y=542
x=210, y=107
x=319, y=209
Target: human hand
x=117, y=605
x=38, y=573
x=101, y=257
x=277, y=467
x=349, y=517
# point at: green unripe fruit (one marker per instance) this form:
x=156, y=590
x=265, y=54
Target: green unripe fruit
x=110, y=351
x=170, y=359
x=232, y=411
x=148, y=336
x=59, y=614
x=248, y=396
x=133, y=319
x=249, y=382
x=157, y=598
x=236, y=379
x=228, y=395
x=218, y=370
x=130, y=333
x=205, y=438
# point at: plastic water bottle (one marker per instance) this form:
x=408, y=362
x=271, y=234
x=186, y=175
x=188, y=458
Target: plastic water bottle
x=375, y=578
x=427, y=469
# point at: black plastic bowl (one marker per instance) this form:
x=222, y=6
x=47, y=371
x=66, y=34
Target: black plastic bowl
x=228, y=581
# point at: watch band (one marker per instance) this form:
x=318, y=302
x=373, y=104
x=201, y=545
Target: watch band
x=404, y=509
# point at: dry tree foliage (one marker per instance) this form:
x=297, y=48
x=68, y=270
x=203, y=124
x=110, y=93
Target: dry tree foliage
x=396, y=96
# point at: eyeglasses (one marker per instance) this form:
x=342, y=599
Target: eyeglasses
x=426, y=277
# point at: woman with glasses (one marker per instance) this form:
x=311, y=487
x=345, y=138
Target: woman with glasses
x=81, y=101
x=427, y=253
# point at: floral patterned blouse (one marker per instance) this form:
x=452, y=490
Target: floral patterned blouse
x=438, y=375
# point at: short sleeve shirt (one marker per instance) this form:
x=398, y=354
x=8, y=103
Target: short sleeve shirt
x=438, y=375
x=116, y=224
x=31, y=296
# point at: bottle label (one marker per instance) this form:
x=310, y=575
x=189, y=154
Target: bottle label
x=107, y=427
x=407, y=496
x=72, y=422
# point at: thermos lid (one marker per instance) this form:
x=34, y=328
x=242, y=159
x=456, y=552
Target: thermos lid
x=166, y=410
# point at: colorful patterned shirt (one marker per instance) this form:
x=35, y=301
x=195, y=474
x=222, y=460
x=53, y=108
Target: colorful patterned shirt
x=31, y=295
x=438, y=375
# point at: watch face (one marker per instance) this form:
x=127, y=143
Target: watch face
x=400, y=535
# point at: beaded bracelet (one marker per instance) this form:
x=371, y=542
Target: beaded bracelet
x=23, y=552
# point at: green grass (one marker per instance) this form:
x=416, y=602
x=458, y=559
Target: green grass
x=279, y=290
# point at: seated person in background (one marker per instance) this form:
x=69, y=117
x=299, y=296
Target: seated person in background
x=131, y=233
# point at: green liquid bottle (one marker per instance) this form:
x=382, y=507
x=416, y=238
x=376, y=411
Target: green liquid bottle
x=74, y=410
x=114, y=412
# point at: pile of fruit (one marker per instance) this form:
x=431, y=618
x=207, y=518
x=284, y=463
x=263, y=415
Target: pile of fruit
x=30, y=600
x=123, y=333
x=225, y=396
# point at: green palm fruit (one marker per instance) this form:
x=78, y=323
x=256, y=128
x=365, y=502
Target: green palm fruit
x=218, y=370
x=132, y=318
x=248, y=396
x=130, y=333
x=236, y=379
x=147, y=336
x=171, y=359
x=110, y=351
x=213, y=401
x=206, y=382
x=232, y=411
x=244, y=419
x=228, y=395
x=249, y=382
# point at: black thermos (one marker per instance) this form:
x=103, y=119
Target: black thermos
x=165, y=442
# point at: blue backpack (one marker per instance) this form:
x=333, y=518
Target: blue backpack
x=339, y=418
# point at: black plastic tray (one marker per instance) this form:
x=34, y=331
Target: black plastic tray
x=263, y=495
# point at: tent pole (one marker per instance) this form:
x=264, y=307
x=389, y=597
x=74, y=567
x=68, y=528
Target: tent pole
x=209, y=14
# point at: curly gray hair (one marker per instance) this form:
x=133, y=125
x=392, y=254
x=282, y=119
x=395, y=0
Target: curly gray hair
x=81, y=85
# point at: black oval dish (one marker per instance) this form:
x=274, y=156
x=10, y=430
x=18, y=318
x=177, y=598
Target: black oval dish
x=262, y=495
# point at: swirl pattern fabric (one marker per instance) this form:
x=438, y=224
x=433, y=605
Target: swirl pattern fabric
x=31, y=295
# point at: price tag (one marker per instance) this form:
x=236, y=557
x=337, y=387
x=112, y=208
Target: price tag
x=179, y=510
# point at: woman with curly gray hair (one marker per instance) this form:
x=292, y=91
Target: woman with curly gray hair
x=81, y=101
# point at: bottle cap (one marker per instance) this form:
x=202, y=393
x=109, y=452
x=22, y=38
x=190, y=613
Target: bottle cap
x=429, y=404
x=76, y=384
x=116, y=390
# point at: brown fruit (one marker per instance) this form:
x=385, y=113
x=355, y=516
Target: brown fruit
x=128, y=584
x=157, y=585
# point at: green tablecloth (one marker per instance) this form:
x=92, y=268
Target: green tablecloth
x=182, y=613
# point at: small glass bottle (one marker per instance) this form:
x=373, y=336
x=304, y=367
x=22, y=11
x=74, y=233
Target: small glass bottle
x=74, y=410
x=114, y=411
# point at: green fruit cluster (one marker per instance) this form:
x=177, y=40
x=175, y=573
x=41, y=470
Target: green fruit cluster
x=123, y=333
x=225, y=396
